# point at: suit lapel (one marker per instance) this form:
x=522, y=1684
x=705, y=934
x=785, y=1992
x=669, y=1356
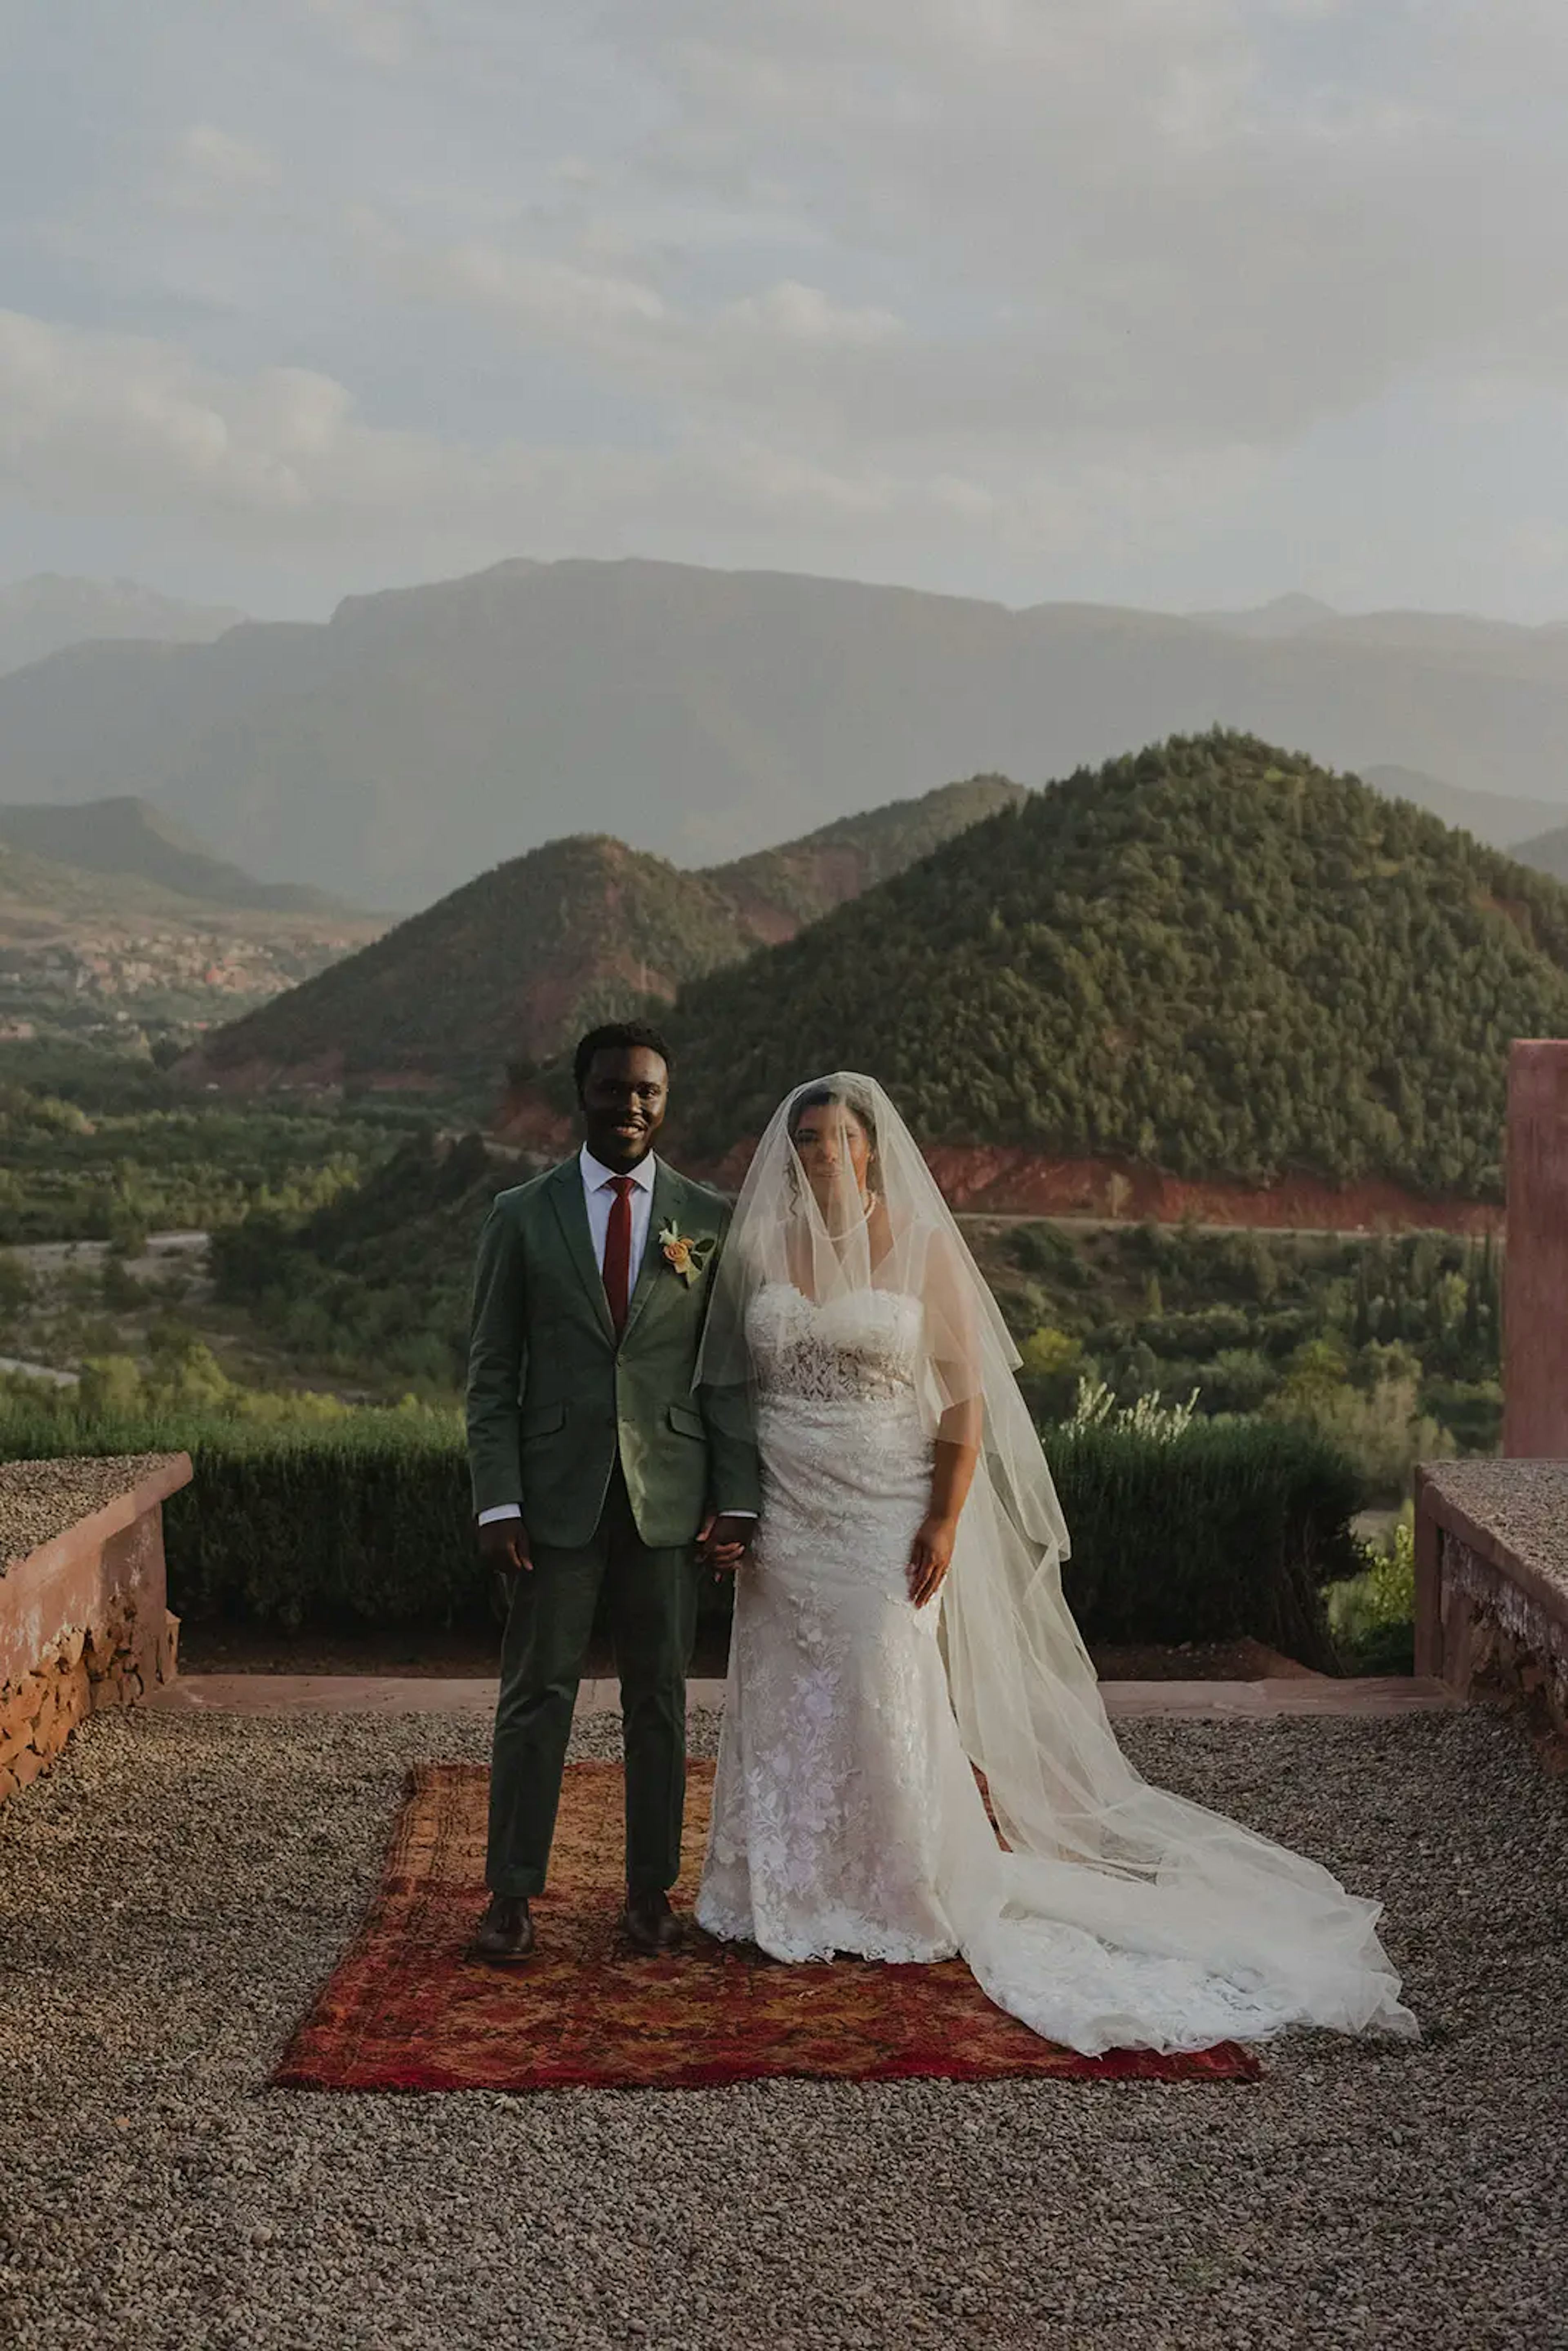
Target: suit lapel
x=571, y=1214
x=667, y=1190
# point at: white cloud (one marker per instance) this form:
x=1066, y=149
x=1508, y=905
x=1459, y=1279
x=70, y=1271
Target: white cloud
x=560, y=300
x=978, y=283
x=1202, y=224
x=92, y=422
x=380, y=32
x=1537, y=545
x=763, y=353
x=204, y=155
x=791, y=312
x=533, y=294
x=88, y=417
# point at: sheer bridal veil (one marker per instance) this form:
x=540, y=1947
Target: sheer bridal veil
x=1091, y=1845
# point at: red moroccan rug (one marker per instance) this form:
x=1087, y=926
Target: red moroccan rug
x=407, y=2009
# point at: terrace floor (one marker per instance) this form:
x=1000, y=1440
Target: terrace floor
x=173, y=1892
x=1305, y=1693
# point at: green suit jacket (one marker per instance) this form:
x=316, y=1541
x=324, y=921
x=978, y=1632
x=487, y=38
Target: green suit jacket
x=553, y=1399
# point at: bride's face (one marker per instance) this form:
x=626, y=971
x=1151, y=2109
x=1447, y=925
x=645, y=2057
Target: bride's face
x=834, y=1150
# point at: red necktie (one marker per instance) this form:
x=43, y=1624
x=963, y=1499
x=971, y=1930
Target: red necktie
x=618, y=1251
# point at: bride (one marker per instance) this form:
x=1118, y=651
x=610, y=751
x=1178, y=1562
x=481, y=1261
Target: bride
x=901, y=1626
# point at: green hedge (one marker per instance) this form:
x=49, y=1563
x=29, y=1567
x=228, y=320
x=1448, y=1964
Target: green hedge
x=367, y=1518
x=1232, y=1527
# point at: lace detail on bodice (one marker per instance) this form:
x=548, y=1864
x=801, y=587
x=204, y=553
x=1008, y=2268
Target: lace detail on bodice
x=861, y=1349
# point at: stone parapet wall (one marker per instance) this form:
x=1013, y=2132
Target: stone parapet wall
x=1491, y=1586
x=84, y=1626
x=80, y=1674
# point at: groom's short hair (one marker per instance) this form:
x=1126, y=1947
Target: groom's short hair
x=615, y=1036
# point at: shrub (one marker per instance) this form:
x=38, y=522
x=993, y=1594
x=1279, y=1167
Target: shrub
x=1224, y=1529
x=1228, y=1529
x=1239, y=1379
x=1470, y=1411
x=1372, y=1615
x=1381, y=1427
x=111, y=1387
x=365, y=1516
x=16, y=1283
x=1049, y=1370
x=1096, y=1408
x=1196, y=1334
x=1043, y=1248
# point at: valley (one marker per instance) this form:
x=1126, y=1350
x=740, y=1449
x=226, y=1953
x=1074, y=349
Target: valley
x=118, y=929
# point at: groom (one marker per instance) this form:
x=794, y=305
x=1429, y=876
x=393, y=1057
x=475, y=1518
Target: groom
x=595, y=1467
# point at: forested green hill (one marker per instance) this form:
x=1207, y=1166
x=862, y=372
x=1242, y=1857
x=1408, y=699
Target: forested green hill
x=510, y=967
x=779, y=890
x=498, y=971
x=1215, y=956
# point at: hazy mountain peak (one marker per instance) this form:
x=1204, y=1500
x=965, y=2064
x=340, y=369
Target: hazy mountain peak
x=393, y=607
x=51, y=610
x=430, y=732
x=128, y=838
x=1282, y=616
x=1547, y=851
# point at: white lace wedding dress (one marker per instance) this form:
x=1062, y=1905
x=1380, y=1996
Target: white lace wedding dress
x=846, y=1817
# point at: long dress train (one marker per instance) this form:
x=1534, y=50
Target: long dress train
x=846, y=1814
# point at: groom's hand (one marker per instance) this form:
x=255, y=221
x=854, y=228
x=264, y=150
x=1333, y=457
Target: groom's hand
x=504, y=1545
x=723, y=1541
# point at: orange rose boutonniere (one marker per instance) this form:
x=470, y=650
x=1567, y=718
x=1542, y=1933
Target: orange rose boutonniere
x=683, y=1256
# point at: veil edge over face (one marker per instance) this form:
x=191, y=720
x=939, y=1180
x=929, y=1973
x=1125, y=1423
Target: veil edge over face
x=811, y=1218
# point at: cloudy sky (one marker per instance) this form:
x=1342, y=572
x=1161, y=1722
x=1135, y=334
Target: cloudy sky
x=1172, y=302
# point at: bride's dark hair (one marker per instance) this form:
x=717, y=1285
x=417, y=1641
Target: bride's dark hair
x=826, y=1098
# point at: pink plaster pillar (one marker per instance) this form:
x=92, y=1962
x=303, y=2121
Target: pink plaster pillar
x=1535, y=1260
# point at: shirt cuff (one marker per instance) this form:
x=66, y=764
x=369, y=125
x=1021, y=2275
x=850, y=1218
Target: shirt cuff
x=736, y=1514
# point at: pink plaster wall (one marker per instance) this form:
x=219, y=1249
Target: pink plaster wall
x=1535, y=1262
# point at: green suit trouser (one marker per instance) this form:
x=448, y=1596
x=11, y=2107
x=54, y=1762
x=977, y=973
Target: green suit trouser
x=652, y=1602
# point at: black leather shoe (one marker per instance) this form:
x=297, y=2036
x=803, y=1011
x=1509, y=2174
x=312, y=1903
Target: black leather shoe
x=651, y=1925
x=505, y=1931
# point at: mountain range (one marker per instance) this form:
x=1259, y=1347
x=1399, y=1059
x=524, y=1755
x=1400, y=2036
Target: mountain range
x=1501, y=819
x=43, y=899
x=129, y=839
x=49, y=612
x=1547, y=851
x=506, y=971
x=422, y=735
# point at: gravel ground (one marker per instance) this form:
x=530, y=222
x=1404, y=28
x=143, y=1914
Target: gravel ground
x=39, y=1500
x=173, y=1893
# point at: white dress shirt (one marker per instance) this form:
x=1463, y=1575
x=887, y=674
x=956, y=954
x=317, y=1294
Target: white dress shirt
x=599, y=1190
x=599, y=1196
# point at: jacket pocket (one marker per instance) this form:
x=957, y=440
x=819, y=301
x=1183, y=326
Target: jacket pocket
x=541, y=1420
x=686, y=1418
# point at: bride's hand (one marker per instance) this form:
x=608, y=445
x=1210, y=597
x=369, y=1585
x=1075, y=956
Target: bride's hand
x=930, y=1557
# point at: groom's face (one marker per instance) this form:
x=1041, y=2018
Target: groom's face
x=624, y=1095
